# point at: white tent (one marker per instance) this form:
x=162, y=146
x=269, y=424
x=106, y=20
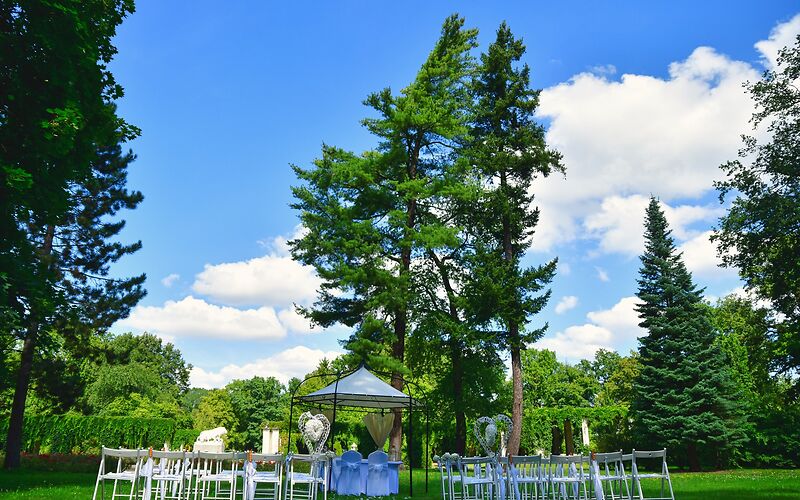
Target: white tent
x=360, y=389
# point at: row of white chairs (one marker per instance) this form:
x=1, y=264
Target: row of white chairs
x=181, y=475
x=557, y=477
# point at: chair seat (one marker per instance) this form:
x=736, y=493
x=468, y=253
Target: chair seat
x=168, y=477
x=477, y=480
x=569, y=480
x=129, y=476
x=304, y=477
x=216, y=477
x=611, y=478
x=651, y=476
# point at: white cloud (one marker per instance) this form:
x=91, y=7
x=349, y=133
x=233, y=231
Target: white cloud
x=564, y=268
x=622, y=319
x=602, y=275
x=170, y=280
x=614, y=329
x=274, y=279
x=638, y=135
x=293, y=362
x=296, y=323
x=619, y=224
x=700, y=257
x=577, y=342
x=191, y=317
x=782, y=35
x=566, y=303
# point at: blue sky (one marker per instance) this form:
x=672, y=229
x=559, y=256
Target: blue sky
x=641, y=98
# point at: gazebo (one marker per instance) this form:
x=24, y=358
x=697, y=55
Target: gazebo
x=362, y=389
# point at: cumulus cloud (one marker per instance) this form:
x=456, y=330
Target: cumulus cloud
x=618, y=225
x=782, y=35
x=273, y=279
x=192, y=317
x=170, y=280
x=640, y=134
x=616, y=328
x=566, y=303
x=293, y=362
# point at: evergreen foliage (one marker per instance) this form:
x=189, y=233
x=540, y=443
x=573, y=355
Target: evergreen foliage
x=685, y=398
x=760, y=234
x=509, y=152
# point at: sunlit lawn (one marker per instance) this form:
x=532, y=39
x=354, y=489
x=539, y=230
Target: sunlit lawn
x=731, y=485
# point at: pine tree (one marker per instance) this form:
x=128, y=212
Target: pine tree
x=369, y=217
x=509, y=151
x=685, y=398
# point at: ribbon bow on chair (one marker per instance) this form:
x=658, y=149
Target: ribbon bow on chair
x=353, y=465
x=378, y=467
x=249, y=482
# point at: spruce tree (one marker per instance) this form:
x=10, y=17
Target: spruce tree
x=684, y=397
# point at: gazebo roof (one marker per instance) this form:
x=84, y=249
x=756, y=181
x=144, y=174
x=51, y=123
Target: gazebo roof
x=360, y=389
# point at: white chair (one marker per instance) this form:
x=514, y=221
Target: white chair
x=663, y=475
x=610, y=469
x=478, y=478
x=171, y=474
x=449, y=475
x=271, y=478
x=378, y=474
x=215, y=481
x=528, y=480
x=127, y=470
x=568, y=476
x=307, y=484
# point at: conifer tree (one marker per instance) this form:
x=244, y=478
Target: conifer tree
x=369, y=216
x=684, y=397
x=508, y=150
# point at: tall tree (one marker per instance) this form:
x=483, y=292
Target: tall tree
x=62, y=176
x=685, y=398
x=364, y=213
x=760, y=234
x=509, y=150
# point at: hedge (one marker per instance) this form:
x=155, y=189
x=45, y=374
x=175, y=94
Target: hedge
x=607, y=427
x=82, y=434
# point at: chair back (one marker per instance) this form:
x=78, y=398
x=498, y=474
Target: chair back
x=351, y=456
x=608, y=458
x=377, y=457
x=559, y=462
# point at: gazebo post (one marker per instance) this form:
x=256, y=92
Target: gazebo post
x=427, y=443
x=335, y=393
x=289, y=439
x=410, y=447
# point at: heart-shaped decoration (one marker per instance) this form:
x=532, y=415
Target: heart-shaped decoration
x=487, y=435
x=314, y=429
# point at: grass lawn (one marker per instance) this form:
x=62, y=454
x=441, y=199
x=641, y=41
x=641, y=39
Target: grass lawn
x=730, y=485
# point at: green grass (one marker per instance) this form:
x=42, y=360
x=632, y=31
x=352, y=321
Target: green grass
x=729, y=485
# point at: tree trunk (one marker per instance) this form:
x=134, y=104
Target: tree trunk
x=15, y=422
x=694, y=459
x=516, y=403
x=17, y=417
x=569, y=438
x=398, y=352
x=458, y=400
x=555, y=446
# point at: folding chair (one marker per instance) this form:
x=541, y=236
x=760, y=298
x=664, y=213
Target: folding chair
x=308, y=483
x=449, y=475
x=377, y=474
x=663, y=475
x=124, y=474
x=171, y=474
x=214, y=480
x=481, y=483
x=610, y=470
x=271, y=478
x=527, y=478
x=567, y=476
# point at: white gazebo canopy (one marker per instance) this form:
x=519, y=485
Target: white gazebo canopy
x=360, y=389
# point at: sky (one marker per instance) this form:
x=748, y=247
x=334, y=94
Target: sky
x=641, y=98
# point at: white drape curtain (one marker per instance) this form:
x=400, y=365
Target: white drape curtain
x=379, y=427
